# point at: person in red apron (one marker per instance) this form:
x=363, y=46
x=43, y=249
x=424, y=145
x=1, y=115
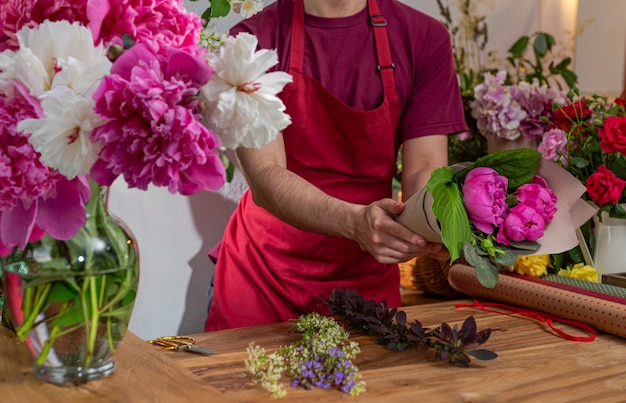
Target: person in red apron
x=319, y=213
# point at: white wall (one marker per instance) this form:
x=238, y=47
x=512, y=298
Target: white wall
x=174, y=232
x=601, y=51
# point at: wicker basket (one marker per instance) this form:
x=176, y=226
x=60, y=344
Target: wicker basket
x=427, y=275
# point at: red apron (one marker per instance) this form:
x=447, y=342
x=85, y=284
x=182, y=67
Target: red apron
x=273, y=272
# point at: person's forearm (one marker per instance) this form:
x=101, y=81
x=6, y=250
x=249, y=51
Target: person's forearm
x=299, y=203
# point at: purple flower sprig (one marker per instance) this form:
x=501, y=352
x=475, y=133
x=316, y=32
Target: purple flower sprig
x=322, y=358
x=391, y=329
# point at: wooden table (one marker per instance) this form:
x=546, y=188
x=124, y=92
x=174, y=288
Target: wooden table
x=533, y=365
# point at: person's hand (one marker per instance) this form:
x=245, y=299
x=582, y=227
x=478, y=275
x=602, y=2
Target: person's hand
x=389, y=241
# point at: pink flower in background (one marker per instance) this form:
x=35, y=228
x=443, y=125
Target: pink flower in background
x=497, y=114
x=509, y=111
x=536, y=100
x=522, y=223
x=154, y=134
x=484, y=196
x=539, y=197
x=553, y=146
x=161, y=24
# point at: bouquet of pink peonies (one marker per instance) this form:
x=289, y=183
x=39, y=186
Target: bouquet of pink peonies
x=504, y=205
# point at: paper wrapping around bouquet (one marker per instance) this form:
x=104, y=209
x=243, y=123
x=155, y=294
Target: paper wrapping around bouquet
x=598, y=305
x=559, y=236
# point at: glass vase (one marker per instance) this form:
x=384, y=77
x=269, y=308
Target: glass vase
x=70, y=301
x=610, y=238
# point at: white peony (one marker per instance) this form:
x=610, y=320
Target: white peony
x=62, y=136
x=241, y=102
x=54, y=53
x=60, y=65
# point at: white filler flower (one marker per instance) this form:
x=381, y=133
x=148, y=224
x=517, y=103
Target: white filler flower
x=242, y=106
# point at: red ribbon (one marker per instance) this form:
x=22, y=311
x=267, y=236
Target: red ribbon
x=540, y=316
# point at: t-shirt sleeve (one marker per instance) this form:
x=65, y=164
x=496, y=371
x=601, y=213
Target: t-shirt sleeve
x=434, y=105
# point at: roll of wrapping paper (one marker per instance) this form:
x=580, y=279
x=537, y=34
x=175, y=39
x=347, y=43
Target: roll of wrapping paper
x=601, y=306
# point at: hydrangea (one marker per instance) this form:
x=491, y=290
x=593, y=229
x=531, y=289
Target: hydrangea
x=153, y=133
x=537, y=101
x=509, y=111
x=497, y=114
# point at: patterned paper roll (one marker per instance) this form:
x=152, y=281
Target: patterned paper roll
x=601, y=308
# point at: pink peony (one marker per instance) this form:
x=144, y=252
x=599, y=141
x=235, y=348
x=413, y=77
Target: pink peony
x=16, y=14
x=484, y=196
x=523, y=223
x=538, y=196
x=154, y=134
x=31, y=195
x=161, y=24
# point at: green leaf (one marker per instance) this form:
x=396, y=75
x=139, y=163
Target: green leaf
x=61, y=292
x=72, y=315
x=220, y=8
x=541, y=45
x=519, y=166
x=449, y=209
x=519, y=47
x=507, y=258
x=486, y=272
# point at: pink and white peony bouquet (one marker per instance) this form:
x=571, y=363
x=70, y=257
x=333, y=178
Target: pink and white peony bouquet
x=97, y=89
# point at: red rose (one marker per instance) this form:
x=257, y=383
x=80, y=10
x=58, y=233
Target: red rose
x=603, y=187
x=613, y=135
x=567, y=115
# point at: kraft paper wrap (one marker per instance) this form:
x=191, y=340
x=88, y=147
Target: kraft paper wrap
x=559, y=236
x=599, y=310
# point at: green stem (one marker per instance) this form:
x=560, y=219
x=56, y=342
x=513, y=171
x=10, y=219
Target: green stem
x=31, y=314
x=54, y=333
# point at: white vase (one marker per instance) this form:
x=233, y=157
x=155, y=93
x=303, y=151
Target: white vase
x=610, y=237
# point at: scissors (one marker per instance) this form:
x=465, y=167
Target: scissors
x=180, y=343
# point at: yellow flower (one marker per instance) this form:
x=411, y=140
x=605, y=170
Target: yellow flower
x=581, y=271
x=535, y=266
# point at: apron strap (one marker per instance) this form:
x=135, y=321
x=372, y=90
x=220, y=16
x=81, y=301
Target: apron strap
x=383, y=52
x=296, y=51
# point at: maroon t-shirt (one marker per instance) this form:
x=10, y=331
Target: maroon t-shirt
x=340, y=53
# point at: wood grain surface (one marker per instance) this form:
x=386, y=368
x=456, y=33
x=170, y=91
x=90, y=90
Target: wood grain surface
x=534, y=365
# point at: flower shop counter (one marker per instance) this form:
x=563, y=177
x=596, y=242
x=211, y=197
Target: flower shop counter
x=533, y=363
